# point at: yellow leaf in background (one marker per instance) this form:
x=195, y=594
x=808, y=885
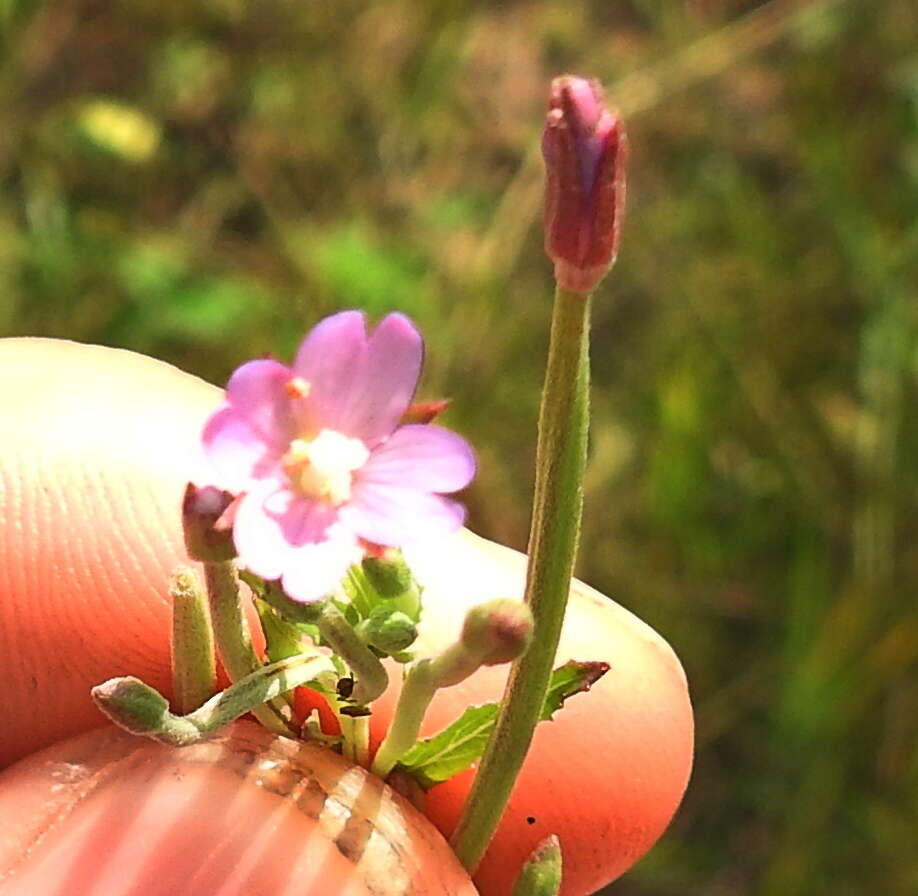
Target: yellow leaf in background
x=119, y=128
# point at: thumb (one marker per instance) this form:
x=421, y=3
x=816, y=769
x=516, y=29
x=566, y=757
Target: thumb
x=97, y=445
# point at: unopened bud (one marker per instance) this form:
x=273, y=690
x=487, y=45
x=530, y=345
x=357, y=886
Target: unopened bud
x=206, y=538
x=388, y=630
x=388, y=574
x=585, y=150
x=541, y=874
x=499, y=631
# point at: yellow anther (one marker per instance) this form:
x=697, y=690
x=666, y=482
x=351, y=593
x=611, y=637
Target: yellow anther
x=323, y=467
x=297, y=387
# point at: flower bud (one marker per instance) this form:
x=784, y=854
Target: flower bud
x=206, y=538
x=498, y=631
x=389, y=631
x=388, y=574
x=585, y=149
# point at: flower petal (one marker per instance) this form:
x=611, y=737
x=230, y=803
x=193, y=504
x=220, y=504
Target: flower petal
x=328, y=359
x=388, y=515
x=238, y=455
x=385, y=381
x=258, y=538
x=316, y=570
x=257, y=391
x=360, y=387
x=421, y=457
x=271, y=524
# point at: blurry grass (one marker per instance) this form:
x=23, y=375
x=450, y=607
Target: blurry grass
x=201, y=181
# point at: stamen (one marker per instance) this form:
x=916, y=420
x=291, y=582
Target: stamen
x=297, y=387
x=323, y=467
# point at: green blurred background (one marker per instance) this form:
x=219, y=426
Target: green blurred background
x=203, y=179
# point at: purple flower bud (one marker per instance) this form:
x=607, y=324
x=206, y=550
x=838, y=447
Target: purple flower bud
x=203, y=513
x=498, y=631
x=585, y=150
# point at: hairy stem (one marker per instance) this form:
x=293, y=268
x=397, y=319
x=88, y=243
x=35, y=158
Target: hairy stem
x=473, y=650
x=555, y=531
x=369, y=673
x=234, y=642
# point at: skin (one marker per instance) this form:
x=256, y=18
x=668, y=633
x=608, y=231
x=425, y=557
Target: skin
x=97, y=447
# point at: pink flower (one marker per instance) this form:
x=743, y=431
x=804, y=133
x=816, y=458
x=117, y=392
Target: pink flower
x=320, y=460
x=585, y=149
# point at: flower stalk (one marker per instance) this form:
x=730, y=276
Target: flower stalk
x=494, y=632
x=234, y=642
x=554, y=535
x=370, y=677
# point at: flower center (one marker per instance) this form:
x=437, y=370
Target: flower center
x=323, y=467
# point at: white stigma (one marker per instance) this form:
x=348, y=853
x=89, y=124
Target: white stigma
x=324, y=467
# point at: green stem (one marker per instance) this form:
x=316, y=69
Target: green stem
x=369, y=673
x=355, y=733
x=194, y=666
x=140, y=709
x=557, y=509
x=474, y=649
x=418, y=690
x=234, y=642
x=348, y=739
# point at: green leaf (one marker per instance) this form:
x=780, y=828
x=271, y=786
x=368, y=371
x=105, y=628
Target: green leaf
x=573, y=677
x=282, y=638
x=365, y=597
x=459, y=745
x=454, y=749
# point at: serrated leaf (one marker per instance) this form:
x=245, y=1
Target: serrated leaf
x=574, y=677
x=454, y=749
x=461, y=744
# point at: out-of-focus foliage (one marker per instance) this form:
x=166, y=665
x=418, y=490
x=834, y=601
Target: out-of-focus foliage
x=201, y=180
